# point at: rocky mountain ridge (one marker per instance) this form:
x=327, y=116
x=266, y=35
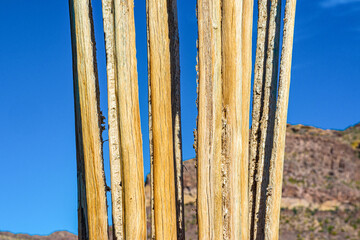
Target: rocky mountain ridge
x=321, y=188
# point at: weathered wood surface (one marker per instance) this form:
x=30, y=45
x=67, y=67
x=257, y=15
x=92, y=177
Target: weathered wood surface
x=164, y=77
x=264, y=110
x=176, y=115
x=151, y=144
x=247, y=28
x=234, y=168
x=113, y=120
x=267, y=139
x=209, y=125
x=272, y=218
x=256, y=109
x=93, y=222
x=131, y=152
x=225, y=28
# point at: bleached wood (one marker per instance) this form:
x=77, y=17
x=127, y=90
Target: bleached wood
x=233, y=166
x=88, y=124
x=209, y=198
x=129, y=122
x=277, y=157
x=160, y=61
x=247, y=27
x=113, y=120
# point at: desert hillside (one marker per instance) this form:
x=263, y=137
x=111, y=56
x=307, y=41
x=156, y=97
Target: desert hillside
x=321, y=190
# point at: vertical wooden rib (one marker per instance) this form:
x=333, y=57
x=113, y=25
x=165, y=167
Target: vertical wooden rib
x=277, y=157
x=209, y=199
x=129, y=122
x=88, y=124
x=83, y=227
x=266, y=125
x=233, y=166
x=176, y=115
x=162, y=126
x=151, y=144
x=247, y=27
x=113, y=120
x=257, y=107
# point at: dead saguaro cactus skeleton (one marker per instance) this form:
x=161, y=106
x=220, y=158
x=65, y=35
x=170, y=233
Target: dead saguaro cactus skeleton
x=92, y=208
x=239, y=181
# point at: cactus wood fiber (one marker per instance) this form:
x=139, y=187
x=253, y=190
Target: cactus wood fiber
x=93, y=223
x=165, y=142
x=113, y=121
x=269, y=118
x=124, y=121
x=223, y=121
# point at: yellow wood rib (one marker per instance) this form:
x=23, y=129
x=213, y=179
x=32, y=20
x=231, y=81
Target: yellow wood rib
x=88, y=124
x=209, y=199
x=131, y=152
x=160, y=69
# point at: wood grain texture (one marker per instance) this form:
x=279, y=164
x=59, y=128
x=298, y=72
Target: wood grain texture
x=129, y=122
x=267, y=116
x=247, y=28
x=209, y=198
x=160, y=61
x=176, y=115
x=113, y=120
x=277, y=156
x=259, y=69
x=93, y=222
x=233, y=166
x=151, y=144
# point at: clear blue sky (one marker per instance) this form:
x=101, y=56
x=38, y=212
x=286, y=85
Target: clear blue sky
x=37, y=141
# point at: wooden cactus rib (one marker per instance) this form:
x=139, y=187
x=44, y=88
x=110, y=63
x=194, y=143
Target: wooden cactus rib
x=256, y=109
x=209, y=196
x=247, y=27
x=234, y=167
x=113, y=120
x=277, y=156
x=163, y=55
x=93, y=222
x=266, y=125
x=223, y=98
x=176, y=116
x=131, y=153
x=151, y=144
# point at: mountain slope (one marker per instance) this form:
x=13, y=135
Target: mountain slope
x=321, y=190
